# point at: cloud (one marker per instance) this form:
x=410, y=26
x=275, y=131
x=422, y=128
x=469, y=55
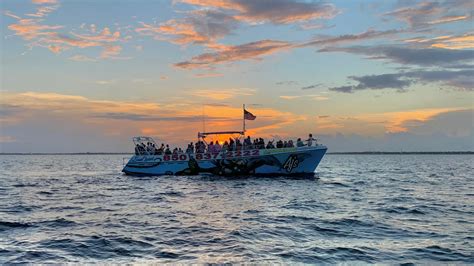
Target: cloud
x=289, y=97
x=314, y=86
x=223, y=94
x=305, y=97
x=253, y=50
x=43, y=11
x=461, y=79
x=427, y=13
x=199, y=27
x=208, y=75
x=40, y=2
x=72, y=123
x=344, y=89
x=275, y=11
x=384, y=81
x=287, y=82
x=349, y=38
x=453, y=123
x=454, y=42
x=105, y=82
x=319, y=97
x=7, y=139
x=82, y=58
x=143, y=117
x=410, y=56
x=316, y=26
x=448, y=19
x=38, y=34
x=111, y=51
x=457, y=42
x=29, y=29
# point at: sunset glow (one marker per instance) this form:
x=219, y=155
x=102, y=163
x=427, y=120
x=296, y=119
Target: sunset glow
x=364, y=75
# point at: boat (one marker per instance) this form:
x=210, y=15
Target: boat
x=244, y=160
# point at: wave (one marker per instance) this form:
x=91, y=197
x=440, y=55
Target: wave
x=4, y=226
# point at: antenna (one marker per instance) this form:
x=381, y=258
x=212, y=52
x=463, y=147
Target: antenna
x=203, y=119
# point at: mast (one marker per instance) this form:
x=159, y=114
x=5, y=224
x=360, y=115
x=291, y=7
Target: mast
x=203, y=120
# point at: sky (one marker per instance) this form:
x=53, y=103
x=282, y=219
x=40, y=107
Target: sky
x=87, y=76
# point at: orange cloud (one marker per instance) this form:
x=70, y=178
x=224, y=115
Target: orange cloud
x=455, y=42
x=29, y=29
x=447, y=19
x=43, y=11
x=394, y=121
x=226, y=4
x=111, y=51
x=223, y=94
x=202, y=27
x=183, y=33
x=48, y=36
x=289, y=97
x=82, y=58
x=181, y=121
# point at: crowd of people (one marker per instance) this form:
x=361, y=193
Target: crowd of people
x=215, y=147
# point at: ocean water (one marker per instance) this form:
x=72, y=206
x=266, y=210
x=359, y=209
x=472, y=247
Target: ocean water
x=361, y=208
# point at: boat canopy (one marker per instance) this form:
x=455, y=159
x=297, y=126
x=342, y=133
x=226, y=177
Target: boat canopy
x=204, y=134
x=143, y=139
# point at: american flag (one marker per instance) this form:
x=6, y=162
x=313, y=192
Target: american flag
x=248, y=115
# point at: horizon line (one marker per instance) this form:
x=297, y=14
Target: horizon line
x=333, y=153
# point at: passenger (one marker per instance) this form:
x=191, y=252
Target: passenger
x=217, y=147
x=180, y=151
x=167, y=150
x=254, y=144
x=238, y=145
x=188, y=149
x=225, y=146
x=290, y=143
x=161, y=150
x=279, y=144
x=210, y=147
x=137, y=149
x=299, y=143
x=310, y=139
x=201, y=147
x=231, y=144
x=247, y=143
x=270, y=145
x=175, y=151
x=285, y=144
x=143, y=149
x=261, y=143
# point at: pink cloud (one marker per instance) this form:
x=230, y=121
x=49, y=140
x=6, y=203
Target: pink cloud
x=40, y=2
x=277, y=11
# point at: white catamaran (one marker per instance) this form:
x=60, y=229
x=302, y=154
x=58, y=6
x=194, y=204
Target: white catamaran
x=234, y=160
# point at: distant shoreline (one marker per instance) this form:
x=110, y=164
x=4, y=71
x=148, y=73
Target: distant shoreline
x=329, y=153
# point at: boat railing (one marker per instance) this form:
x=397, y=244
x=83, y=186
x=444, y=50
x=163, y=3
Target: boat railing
x=221, y=152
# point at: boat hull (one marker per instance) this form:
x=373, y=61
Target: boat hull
x=283, y=161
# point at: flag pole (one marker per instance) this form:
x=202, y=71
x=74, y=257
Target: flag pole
x=243, y=107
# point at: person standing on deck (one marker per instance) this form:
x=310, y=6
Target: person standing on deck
x=310, y=140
